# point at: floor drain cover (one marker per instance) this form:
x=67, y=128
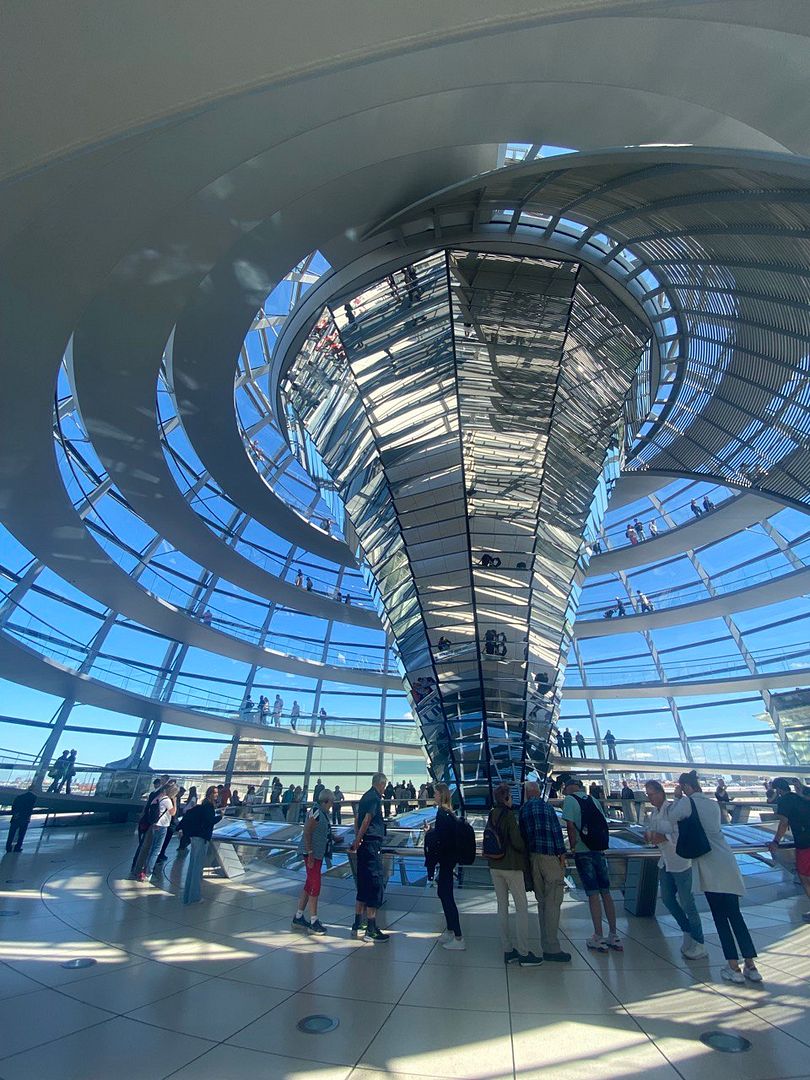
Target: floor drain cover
x=8, y=914
x=80, y=962
x=318, y=1024
x=725, y=1042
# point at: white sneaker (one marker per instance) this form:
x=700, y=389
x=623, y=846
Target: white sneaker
x=445, y=936
x=732, y=976
x=752, y=974
x=597, y=943
x=688, y=942
x=696, y=951
x=455, y=944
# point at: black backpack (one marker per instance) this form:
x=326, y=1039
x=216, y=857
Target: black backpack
x=593, y=827
x=492, y=846
x=465, y=843
x=153, y=811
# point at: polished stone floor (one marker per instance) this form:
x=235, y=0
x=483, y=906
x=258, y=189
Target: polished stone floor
x=216, y=990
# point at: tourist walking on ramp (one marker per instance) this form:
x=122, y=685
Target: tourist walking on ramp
x=315, y=846
x=503, y=846
x=716, y=875
x=674, y=872
x=441, y=849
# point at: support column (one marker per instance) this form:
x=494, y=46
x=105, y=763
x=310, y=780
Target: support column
x=229, y=768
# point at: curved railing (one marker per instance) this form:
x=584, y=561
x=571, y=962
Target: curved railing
x=615, y=536
x=365, y=659
x=611, y=673
x=140, y=679
x=723, y=584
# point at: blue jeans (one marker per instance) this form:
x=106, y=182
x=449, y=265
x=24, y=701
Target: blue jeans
x=158, y=836
x=196, y=864
x=676, y=893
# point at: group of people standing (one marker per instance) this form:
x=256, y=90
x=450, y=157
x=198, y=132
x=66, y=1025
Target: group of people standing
x=273, y=713
x=565, y=743
x=164, y=814
x=526, y=849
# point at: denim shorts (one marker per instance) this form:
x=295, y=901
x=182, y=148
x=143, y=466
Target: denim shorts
x=593, y=871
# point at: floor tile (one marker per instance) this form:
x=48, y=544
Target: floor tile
x=358, y=1024
x=364, y=977
x=197, y=951
x=41, y=1016
x=439, y=986
x=427, y=1042
x=119, y=1047
x=633, y=986
x=237, y=1061
x=14, y=984
x=587, y=1048
x=285, y=969
x=551, y=989
x=773, y=1053
x=480, y=952
x=123, y=991
x=214, y=1009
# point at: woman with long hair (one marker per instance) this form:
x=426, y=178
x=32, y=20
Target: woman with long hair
x=444, y=829
x=718, y=877
x=198, y=826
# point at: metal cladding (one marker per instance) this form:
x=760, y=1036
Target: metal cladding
x=468, y=409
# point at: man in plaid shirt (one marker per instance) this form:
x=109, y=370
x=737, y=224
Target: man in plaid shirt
x=543, y=836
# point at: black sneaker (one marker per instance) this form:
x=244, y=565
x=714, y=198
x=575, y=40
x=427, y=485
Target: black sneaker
x=375, y=934
x=557, y=957
x=511, y=957
x=317, y=927
x=300, y=925
x=530, y=960
x=358, y=929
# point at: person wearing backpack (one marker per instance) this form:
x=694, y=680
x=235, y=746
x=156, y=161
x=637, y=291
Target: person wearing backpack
x=160, y=811
x=589, y=838
x=503, y=846
x=145, y=819
x=715, y=874
x=441, y=851
x=674, y=872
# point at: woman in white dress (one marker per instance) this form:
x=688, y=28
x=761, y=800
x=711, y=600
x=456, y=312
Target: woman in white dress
x=717, y=875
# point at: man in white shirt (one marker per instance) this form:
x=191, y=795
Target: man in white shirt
x=674, y=873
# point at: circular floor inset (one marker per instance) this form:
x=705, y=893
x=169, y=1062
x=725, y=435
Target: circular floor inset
x=725, y=1041
x=317, y=1024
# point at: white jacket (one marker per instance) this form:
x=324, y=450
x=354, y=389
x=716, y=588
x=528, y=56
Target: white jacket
x=717, y=871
